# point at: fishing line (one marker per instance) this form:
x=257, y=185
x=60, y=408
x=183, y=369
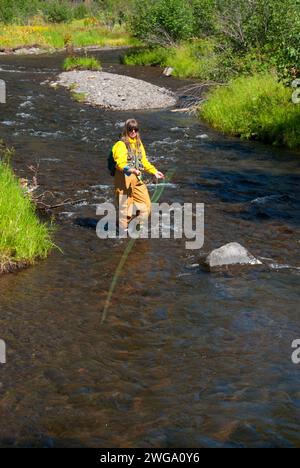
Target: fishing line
x=159, y=189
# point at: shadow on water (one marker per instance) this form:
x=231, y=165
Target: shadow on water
x=90, y=223
x=185, y=358
x=256, y=191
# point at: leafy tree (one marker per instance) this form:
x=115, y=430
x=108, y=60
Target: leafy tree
x=11, y=10
x=204, y=12
x=58, y=12
x=163, y=21
x=270, y=27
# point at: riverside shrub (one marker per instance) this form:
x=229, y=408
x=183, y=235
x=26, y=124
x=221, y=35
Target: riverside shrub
x=195, y=59
x=81, y=63
x=162, y=21
x=23, y=237
x=258, y=107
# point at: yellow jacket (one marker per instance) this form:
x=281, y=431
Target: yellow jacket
x=120, y=153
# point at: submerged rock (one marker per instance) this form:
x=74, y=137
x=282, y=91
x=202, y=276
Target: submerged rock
x=230, y=254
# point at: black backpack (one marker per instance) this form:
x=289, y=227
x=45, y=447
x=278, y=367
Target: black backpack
x=111, y=163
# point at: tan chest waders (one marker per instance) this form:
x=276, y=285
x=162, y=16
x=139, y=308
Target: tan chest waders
x=131, y=189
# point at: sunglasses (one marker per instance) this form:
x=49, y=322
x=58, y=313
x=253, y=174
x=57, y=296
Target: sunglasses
x=133, y=130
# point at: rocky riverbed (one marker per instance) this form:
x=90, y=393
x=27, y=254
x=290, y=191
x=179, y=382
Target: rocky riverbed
x=115, y=92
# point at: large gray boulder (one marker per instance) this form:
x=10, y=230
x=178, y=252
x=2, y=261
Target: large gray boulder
x=231, y=254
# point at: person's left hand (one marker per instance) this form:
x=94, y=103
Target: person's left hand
x=159, y=175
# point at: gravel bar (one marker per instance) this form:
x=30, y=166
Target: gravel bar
x=116, y=92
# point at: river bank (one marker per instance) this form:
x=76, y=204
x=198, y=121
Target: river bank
x=24, y=238
x=244, y=98
x=257, y=107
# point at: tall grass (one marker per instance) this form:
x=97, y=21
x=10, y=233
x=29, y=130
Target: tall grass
x=152, y=56
x=79, y=33
x=23, y=238
x=195, y=59
x=81, y=63
x=258, y=107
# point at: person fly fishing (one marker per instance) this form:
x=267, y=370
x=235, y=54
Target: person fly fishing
x=128, y=162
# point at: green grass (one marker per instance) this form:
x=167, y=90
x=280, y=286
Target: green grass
x=196, y=59
x=77, y=33
x=154, y=56
x=255, y=107
x=23, y=238
x=81, y=63
x=102, y=37
x=78, y=97
x=53, y=38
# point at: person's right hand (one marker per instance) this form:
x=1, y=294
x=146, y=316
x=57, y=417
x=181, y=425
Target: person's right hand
x=159, y=175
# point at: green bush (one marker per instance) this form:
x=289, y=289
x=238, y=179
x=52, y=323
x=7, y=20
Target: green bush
x=7, y=11
x=115, y=12
x=256, y=107
x=153, y=56
x=251, y=63
x=162, y=21
x=283, y=42
x=194, y=60
x=57, y=12
x=80, y=11
x=269, y=26
x=81, y=63
x=204, y=13
x=250, y=36
x=17, y=10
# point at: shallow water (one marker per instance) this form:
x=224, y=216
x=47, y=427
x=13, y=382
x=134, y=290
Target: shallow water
x=184, y=358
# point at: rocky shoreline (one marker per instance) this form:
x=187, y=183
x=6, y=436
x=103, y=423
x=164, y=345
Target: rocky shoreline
x=37, y=50
x=115, y=92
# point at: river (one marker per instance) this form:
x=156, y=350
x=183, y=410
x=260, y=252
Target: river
x=185, y=358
